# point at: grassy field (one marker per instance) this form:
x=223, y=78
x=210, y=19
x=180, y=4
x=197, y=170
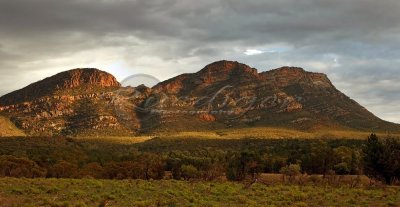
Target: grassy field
x=273, y=133
x=87, y=192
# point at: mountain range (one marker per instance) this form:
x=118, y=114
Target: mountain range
x=224, y=94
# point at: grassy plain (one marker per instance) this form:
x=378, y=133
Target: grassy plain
x=89, y=192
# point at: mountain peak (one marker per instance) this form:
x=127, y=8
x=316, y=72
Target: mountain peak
x=222, y=71
x=227, y=67
x=289, y=69
x=286, y=71
x=286, y=75
x=79, y=77
x=226, y=70
x=84, y=76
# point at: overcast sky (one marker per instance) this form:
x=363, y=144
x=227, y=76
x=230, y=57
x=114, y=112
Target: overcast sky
x=355, y=42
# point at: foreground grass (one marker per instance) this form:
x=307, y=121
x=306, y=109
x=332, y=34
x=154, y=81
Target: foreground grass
x=88, y=192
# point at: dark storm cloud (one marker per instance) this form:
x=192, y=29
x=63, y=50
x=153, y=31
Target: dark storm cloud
x=355, y=42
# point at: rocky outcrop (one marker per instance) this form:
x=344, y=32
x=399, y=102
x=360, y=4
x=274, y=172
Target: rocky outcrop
x=286, y=76
x=88, y=78
x=65, y=104
x=215, y=74
x=57, y=115
x=207, y=117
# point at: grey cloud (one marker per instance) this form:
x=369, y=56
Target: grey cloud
x=355, y=42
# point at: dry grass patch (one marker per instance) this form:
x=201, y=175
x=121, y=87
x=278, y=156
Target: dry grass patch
x=7, y=128
x=116, y=139
x=273, y=133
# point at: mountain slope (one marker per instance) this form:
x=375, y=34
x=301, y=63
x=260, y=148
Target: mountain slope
x=285, y=97
x=224, y=94
x=75, y=102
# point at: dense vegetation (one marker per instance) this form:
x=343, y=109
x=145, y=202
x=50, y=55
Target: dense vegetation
x=201, y=159
x=382, y=159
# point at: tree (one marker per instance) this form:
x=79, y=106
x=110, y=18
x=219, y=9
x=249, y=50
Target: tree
x=320, y=160
x=291, y=171
x=152, y=165
x=214, y=171
x=243, y=164
x=272, y=164
x=382, y=159
x=189, y=172
x=391, y=160
x=347, y=161
x=343, y=159
x=174, y=164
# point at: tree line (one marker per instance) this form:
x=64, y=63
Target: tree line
x=376, y=158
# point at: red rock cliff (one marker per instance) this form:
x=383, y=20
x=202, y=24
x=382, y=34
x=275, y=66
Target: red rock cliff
x=81, y=77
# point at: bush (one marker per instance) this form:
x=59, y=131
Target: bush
x=342, y=169
x=11, y=166
x=146, y=166
x=316, y=179
x=64, y=169
x=291, y=171
x=189, y=172
x=124, y=170
x=152, y=165
x=92, y=170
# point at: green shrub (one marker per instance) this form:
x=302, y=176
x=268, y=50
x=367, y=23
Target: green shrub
x=189, y=172
x=291, y=171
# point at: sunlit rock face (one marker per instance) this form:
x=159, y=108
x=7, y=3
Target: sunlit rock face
x=82, y=77
x=56, y=105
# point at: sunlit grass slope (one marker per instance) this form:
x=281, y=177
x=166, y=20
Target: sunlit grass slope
x=274, y=133
x=7, y=128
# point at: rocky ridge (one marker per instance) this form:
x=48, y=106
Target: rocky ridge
x=223, y=94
